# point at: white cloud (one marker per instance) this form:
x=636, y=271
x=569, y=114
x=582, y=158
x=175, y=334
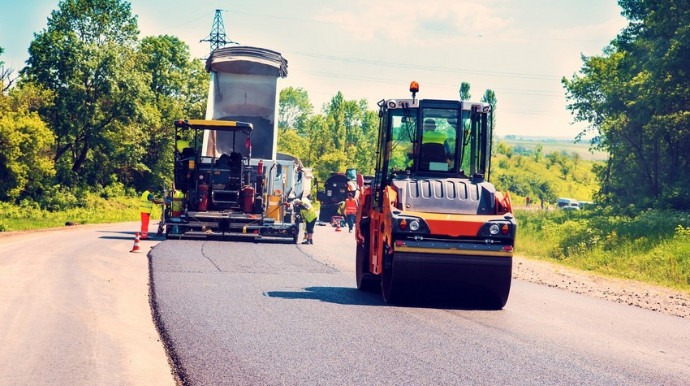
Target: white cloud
x=406, y=20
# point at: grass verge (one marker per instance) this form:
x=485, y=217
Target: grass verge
x=651, y=247
x=94, y=210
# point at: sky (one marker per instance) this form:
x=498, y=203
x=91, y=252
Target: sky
x=373, y=49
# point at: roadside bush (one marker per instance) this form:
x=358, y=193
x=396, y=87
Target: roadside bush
x=115, y=189
x=652, y=246
x=57, y=198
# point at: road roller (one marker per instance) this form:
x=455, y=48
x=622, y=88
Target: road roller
x=430, y=225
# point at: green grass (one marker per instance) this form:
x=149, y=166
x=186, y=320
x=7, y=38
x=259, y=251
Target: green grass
x=94, y=210
x=653, y=247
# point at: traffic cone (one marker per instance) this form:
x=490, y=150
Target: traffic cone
x=337, y=226
x=136, y=244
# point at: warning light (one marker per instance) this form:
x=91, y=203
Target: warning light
x=414, y=89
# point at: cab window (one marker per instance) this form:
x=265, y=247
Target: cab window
x=438, y=140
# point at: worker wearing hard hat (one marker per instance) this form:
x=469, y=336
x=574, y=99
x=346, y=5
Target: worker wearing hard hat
x=146, y=203
x=308, y=214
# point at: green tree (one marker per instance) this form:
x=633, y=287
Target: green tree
x=292, y=143
x=86, y=57
x=335, y=116
x=538, y=152
x=179, y=87
x=26, y=164
x=344, y=136
x=365, y=143
x=636, y=99
x=465, y=91
x=295, y=108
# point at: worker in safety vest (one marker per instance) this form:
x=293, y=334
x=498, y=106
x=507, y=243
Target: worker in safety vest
x=430, y=135
x=308, y=214
x=146, y=203
x=349, y=209
x=177, y=203
x=180, y=144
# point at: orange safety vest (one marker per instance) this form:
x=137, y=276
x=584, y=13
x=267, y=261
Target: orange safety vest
x=350, y=206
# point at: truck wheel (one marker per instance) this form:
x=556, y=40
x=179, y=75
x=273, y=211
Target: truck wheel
x=365, y=280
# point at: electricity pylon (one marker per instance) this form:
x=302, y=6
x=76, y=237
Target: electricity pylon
x=217, y=36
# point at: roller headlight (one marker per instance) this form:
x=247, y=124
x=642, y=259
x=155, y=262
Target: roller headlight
x=414, y=225
x=494, y=229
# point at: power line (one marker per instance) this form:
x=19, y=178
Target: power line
x=436, y=85
x=428, y=68
x=479, y=36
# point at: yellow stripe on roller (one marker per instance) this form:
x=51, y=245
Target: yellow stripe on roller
x=453, y=251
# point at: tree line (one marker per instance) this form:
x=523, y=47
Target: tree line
x=94, y=105
x=635, y=97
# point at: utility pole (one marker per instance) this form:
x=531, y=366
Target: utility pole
x=217, y=36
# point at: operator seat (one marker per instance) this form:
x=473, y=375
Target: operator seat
x=432, y=152
x=235, y=160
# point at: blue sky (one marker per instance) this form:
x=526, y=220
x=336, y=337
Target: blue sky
x=372, y=49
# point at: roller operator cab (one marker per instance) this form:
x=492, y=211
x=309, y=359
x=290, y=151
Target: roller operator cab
x=431, y=223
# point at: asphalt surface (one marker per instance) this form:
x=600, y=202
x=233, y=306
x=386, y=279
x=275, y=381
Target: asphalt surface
x=238, y=313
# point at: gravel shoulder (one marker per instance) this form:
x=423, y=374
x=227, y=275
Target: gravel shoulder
x=630, y=292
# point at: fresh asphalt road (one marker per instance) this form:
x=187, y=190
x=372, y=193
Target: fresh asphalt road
x=239, y=313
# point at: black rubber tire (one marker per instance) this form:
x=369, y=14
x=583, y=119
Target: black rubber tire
x=389, y=289
x=500, y=293
x=365, y=280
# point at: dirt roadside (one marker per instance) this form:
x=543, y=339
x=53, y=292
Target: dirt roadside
x=634, y=293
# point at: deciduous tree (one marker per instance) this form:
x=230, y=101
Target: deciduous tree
x=86, y=57
x=636, y=99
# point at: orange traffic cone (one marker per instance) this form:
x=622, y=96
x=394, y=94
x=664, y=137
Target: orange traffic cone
x=337, y=226
x=136, y=244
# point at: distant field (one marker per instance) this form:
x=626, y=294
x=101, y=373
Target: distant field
x=551, y=145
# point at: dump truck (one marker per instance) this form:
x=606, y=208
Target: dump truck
x=230, y=181
x=431, y=224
